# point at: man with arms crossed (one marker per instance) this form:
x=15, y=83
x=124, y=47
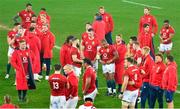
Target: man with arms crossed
x=109, y=24
x=145, y=67
x=72, y=87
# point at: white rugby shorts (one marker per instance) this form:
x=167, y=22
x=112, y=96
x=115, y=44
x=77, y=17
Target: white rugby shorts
x=165, y=47
x=130, y=96
x=108, y=68
x=57, y=102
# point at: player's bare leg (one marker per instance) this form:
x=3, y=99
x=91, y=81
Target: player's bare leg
x=131, y=106
x=106, y=75
x=8, y=68
x=168, y=52
x=124, y=105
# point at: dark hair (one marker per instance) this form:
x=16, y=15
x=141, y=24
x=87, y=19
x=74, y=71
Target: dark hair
x=170, y=58
x=33, y=21
x=87, y=61
x=28, y=4
x=16, y=24
x=133, y=38
x=145, y=25
x=90, y=29
x=88, y=23
x=57, y=67
x=147, y=8
x=98, y=16
x=31, y=29
x=166, y=21
x=160, y=55
x=34, y=15
x=89, y=99
x=7, y=99
x=73, y=39
x=131, y=60
x=43, y=9
x=136, y=43
x=70, y=37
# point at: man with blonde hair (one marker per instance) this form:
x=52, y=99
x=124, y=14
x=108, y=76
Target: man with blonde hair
x=109, y=24
x=72, y=87
x=145, y=68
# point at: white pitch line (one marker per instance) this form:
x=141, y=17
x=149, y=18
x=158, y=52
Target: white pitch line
x=5, y=27
x=141, y=4
x=177, y=91
x=57, y=47
x=102, y=88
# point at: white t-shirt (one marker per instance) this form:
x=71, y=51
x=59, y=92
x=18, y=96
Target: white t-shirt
x=86, y=107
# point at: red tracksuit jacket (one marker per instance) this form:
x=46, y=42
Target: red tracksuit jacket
x=47, y=44
x=119, y=63
x=148, y=19
x=35, y=45
x=16, y=62
x=99, y=29
x=40, y=22
x=157, y=74
x=170, y=78
x=147, y=66
x=107, y=18
x=73, y=82
x=65, y=54
x=145, y=39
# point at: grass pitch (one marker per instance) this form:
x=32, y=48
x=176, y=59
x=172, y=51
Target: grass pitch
x=69, y=17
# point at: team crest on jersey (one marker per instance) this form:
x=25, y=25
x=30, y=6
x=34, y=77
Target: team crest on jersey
x=107, y=18
x=24, y=14
x=30, y=14
x=105, y=55
x=89, y=47
x=84, y=36
x=93, y=43
x=86, y=42
x=167, y=30
x=108, y=50
x=149, y=19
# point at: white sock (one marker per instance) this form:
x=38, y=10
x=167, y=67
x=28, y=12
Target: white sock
x=114, y=90
x=35, y=76
x=109, y=90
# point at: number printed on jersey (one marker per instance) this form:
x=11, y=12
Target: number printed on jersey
x=135, y=77
x=55, y=85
